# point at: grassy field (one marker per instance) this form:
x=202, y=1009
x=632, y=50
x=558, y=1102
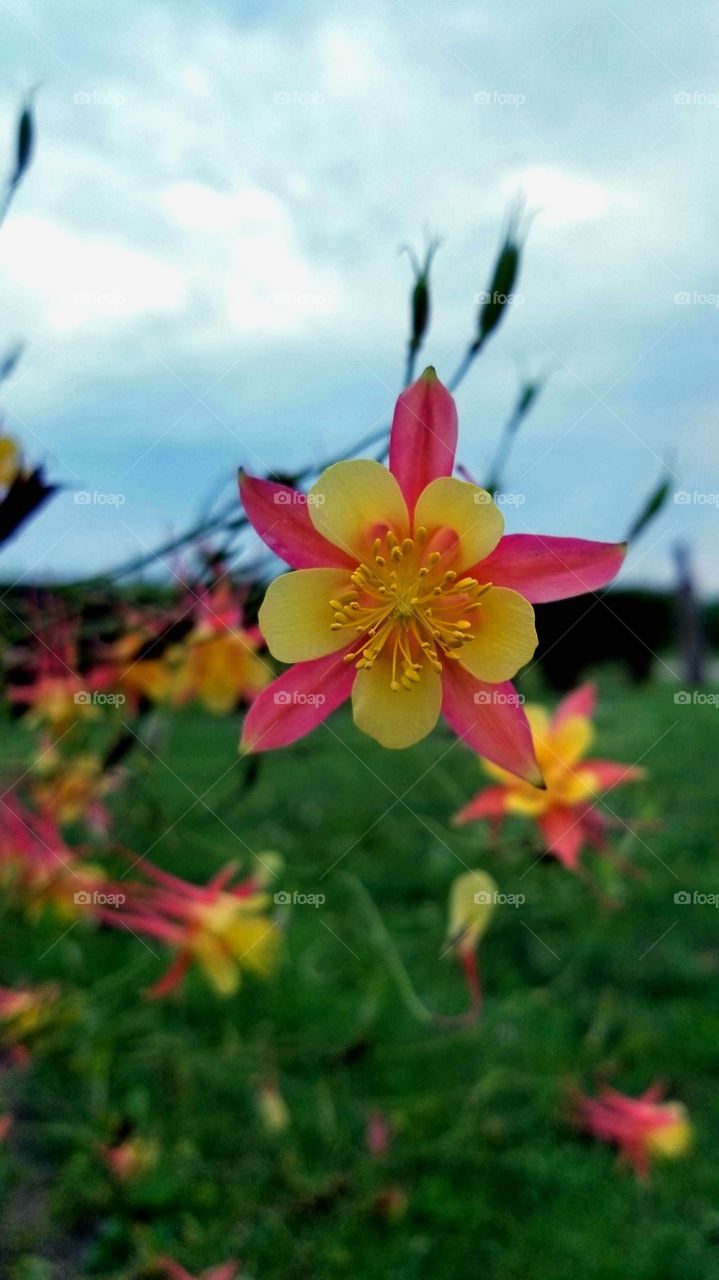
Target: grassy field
x=485, y=1174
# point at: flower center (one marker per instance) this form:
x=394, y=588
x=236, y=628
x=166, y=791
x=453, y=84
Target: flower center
x=402, y=601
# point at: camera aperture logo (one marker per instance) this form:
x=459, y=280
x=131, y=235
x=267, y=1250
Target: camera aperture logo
x=487, y=898
x=695, y=698
x=283, y=898
x=295, y=498
x=97, y=898
x=94, y=498
x=694, y=898
x=88, y=698
x=492, y=697
x=285, y=698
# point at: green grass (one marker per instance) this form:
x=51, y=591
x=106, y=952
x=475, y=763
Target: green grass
x=485, y=1174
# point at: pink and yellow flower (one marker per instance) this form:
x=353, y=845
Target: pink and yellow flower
x=222, y=658
x=405, y=596
x=24, y=1012
x=565, y=810
x=71, y=788
x=223, y=929
x=38, y=868
x=642, y=1128
x=131, y=1158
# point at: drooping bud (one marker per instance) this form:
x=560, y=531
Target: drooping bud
x=419, y=301
x=24, y=147
x=471, y=903
x=272, y=1108
x=494, y=301
x=652, y=505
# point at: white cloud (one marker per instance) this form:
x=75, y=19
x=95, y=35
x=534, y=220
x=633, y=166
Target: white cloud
x=73, y=281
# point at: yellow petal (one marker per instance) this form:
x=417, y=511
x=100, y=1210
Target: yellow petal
x=528, y=801
x=571, y=740
x=254, y=942
x=673, y=1139
x=396, y=719
x=296, y=615
x=351, y=499
x=539, y=721
x=504, y=633
x=447, y=503
x=219, y=966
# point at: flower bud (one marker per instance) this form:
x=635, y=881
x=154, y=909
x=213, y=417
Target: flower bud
x=504, y=277
x=471, y=903
x=419, y=300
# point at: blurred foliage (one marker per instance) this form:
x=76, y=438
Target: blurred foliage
x=483, y=1164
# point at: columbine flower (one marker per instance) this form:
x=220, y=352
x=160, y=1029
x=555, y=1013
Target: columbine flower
x=564, y=812
x=70, y=788
x=38, y=868
x=131, y=1158
x=223, y=664
x=24, y=1012
x=406, y=596
x=224, y=929
x=641, y=1127
x=149, y=663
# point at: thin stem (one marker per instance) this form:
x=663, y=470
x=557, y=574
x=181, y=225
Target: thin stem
x=503, y=450
x=465, y=365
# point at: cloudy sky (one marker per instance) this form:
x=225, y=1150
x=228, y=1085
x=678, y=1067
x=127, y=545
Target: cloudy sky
x=204, y=260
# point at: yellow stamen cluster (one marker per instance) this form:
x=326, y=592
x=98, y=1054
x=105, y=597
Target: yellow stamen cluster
x=402, y=597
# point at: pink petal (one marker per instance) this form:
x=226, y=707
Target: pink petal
x=610, y=773
x=562, y=832
x=423, y=439
x=544, y=569
x=298, y=700
x=280, y=516
x=170, y=980
x=489, y=719
x=490, y=803
x=580, y=702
